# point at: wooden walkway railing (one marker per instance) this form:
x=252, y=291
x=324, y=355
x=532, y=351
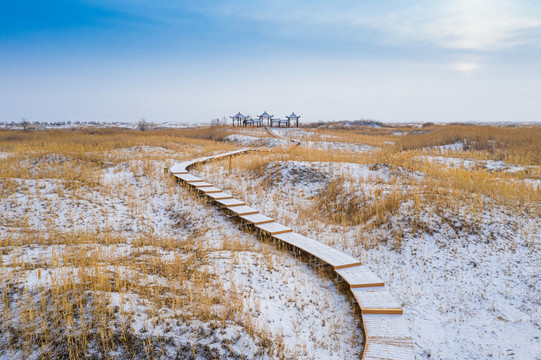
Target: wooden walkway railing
x=386, y=332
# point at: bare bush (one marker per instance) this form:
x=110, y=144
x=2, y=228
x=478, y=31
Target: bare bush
x=25, y=124
x=143, y=124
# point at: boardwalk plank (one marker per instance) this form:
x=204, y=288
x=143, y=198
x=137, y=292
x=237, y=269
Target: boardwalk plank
x=220, y=196
x=360, y=276
x=382, y=326
x=376, y=300
x=274, y=228
x=189, y=178
x=331, y=256
x=387, y=337
x=257, y=219
x=231, y=202
x=203, y=184
x=243, y=210
x=379, y=350
x=210, y=190
x=179, y=168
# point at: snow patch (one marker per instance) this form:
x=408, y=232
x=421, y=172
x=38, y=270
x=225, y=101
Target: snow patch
x=489, y=165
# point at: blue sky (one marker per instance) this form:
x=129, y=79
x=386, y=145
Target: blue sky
x=190, y=61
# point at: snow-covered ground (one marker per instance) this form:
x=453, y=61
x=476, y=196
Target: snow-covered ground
x=284, y=307
x=290, y=133
x=490, y=165
x=248, y=140
x=458, y=146
x=337, y=146
x=469, y=280
x=466, y=271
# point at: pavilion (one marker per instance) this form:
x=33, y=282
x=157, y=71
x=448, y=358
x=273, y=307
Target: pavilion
x=254, y=122
x=266, y=117
x=291, y=118
x=241, y=120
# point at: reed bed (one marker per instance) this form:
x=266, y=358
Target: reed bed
x=102, y=256
x=448, y=216
x=411, y=180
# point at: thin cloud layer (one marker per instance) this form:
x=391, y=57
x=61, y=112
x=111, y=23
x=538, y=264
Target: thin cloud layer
x=391, y=60
x=476, y=25
x=456, y=24
x=486, y=24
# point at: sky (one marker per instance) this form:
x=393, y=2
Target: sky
x=191, y=61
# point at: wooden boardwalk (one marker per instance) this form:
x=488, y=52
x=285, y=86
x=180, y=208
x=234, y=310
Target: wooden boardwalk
x=277, y=136
x=386, y=332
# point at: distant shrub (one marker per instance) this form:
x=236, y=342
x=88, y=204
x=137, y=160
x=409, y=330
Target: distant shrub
x=144, y=125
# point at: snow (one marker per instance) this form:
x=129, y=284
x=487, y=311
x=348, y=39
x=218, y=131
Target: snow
x=277, y=297
x=490, y=165
x=535, y=183
x=228, y=342
x=294, y=133
x=469, y=282
x=47, y=277
x=338, y=146
x=466, y=300
x=457, y=146
x=133, y=203
x=247, y=140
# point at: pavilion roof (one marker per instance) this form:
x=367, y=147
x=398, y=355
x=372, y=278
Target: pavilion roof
x=265, y=114
x=239, y=115
x=292, y=116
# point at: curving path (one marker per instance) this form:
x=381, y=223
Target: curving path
x=386, y=332
x=275, y=135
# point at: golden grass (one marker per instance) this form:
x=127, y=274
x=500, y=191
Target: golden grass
x=516, y=145
x=505, y=188
x=88, y=270
x=74, y=313
x=76, y=157
x=91, y=269
x=435, y=185
x=342, y=208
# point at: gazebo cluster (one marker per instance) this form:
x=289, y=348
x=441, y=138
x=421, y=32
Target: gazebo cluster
x=265, y=119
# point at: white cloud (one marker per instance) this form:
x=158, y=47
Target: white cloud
x=484, y=24
x=466, y=66
x=456, y=24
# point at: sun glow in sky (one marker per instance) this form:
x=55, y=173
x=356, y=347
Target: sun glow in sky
x=190, y=61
